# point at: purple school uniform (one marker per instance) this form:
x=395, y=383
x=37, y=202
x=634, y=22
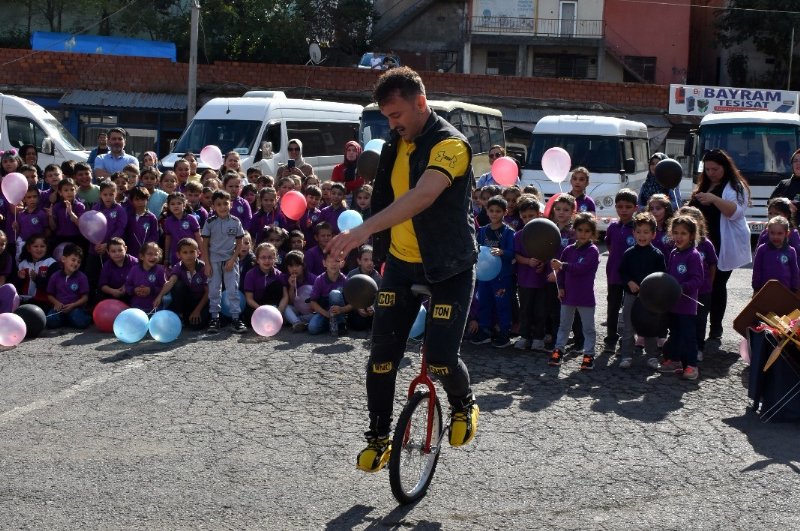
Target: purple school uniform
x=577, y=274
x=331, y=215
x=307, y=280
x=196, y=282
x=257, y=282
x=141, y=229
x=619, y=237
x=307, y=222
x=793, y=239
x=513, y=221
x=177, y=229
x=585, y=203
x=527, y=276
x=31, y=223
x=775, y=263
x=116, y=222
x=67, y=289
x=65, y=228
x=323, y=286
x=241, y=209
x=313, y=261
x=200, y=213
x=663, y=242
x=687, y=267
x=6, y=264
x=709, y=256
x=260, y=220
x=114, y=276
x=3, y=211
x=153, y=279
x=44, y=198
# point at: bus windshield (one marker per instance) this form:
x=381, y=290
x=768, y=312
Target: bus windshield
x=755, y=148
x=600, y=154
x=227, y=135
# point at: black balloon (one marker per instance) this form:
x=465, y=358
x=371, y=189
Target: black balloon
x=647, y=323
x=669, y=173
x=541, y=239
x=35, y=319
x=367, y=165
x=360, y=291
x=659, y=292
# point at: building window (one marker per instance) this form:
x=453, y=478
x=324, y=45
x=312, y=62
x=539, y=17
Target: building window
x=565, y=65
x=645, y=67
x=568, y=12
x=499, y=62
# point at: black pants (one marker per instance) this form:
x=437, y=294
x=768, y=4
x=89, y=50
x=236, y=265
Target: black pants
x=615, y=293
x=395, y=310
x=719, y=301
x=184, y=301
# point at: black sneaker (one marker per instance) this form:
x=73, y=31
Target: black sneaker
x=213, y=326
x=481, y=337
x=501, y=341
x=238, y=327
x=555, y=358
x=342, y=329
x=588, y=363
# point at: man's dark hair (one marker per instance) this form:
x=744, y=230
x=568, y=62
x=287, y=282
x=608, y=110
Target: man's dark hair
x=118, y=130
x=402, y=80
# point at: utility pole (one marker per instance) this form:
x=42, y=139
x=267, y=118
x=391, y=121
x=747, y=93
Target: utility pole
x=191, y=99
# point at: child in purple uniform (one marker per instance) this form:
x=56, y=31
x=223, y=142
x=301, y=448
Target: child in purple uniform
x=193, y=190
x=579, y=180
x=338, y=205
x=313, y=256
x=576, y=271
x=6, y=259
x=179, y=224
x=115, y=271
x=685, y=264
x=65, y=213
x=562, y=212
x=68, y=292
x=267, y=214
x=239, y=205
x=511, y=217
x=31, y=220
x=530, y=284
x=660, y=206
x=262, y=284
x=142, y=224
x=146, y=278
x=327, y=300
x=116, y=223
x=311, y=217
x=188, y=284
x=780, y=206
x=361, y=318
x=619, y=237
x=297, y=313
x=776, y=259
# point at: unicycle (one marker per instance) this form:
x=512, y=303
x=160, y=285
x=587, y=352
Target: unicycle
x=419, y=431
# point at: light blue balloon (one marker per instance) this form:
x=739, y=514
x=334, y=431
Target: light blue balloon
x=418, y=328
x=130, y=326
x=225, y=308
x=165, y=326
x=349, y=219
x=488, y=265
x=376, y=145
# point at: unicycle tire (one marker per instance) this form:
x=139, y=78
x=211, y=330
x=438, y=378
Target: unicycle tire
x=410, y=467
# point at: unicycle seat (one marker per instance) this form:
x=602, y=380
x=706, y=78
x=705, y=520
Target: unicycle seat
x=421, y=290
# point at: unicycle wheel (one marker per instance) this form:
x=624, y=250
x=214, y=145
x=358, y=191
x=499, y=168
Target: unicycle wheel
x=411, y=467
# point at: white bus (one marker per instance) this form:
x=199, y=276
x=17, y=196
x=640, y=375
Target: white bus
x=483, y=127
x=259, y=125
x=761, y=144
x=615, y=151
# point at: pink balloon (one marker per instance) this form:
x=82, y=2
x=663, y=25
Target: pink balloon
x=556, y=164
x=93, y=225
x=505, y=171
x=267, y=320
x=300, y=304
x=58, y=252
x=14, y=186
x=212, y=156
x=12, y=330
x=293, y=205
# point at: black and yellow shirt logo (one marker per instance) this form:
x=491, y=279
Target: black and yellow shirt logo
x=382, y=368
x=439, y=370
x=451, y=159
x=442, y=311
x=386, y=298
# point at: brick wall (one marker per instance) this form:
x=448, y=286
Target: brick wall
x=64, y=71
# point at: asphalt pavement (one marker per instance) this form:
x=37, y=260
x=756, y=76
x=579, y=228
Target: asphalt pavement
x=242, y=432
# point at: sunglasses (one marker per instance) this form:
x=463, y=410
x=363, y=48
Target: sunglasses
x=495, y=155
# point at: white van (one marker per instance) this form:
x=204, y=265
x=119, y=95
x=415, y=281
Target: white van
x=259, y=125
x=25, y=122
x=615, y=151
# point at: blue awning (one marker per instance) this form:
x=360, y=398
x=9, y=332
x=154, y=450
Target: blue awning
x=97, y=44
x=124, y=100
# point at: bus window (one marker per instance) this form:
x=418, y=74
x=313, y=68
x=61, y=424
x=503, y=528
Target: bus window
x=483, y=128
x=496, y=134
x=470, y=129
x=641, y=154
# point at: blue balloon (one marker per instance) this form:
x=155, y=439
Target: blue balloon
x=488, y=265
x=349, y=219
x=130, y=326
x=165, y=326
x=376, y=145
x=225, y=308
x=418, y=328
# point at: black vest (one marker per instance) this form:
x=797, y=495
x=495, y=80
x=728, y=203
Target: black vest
x=445, y=230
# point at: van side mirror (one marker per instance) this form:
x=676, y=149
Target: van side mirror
x=688, y=144
x=630, y=165
x=47, y=146
x=266, y=150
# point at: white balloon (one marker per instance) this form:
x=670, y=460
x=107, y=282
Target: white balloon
x=556, y=164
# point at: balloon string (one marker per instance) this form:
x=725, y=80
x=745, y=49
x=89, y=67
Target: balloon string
x=694, y=300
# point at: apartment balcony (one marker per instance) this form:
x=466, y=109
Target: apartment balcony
x=554, y=31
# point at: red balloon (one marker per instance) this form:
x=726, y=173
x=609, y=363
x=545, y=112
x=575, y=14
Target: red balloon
x=105, y=312
x=293, y=205
x=505, y=171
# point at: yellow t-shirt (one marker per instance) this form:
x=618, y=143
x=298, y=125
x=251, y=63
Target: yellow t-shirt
x=449, y=157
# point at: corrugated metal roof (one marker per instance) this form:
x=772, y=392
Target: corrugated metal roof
x=124, y=100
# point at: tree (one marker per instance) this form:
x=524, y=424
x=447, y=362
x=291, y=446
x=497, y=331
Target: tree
x=768, y=26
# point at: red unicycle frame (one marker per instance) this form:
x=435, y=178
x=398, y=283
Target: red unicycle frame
x=423, y=379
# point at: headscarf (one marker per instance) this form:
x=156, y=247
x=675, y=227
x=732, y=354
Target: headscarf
x=298, y=161
x=350, y=173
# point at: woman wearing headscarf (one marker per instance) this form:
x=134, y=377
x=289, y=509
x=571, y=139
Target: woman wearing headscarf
x=346, y=171
x=650, y=186
x=295, y=149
